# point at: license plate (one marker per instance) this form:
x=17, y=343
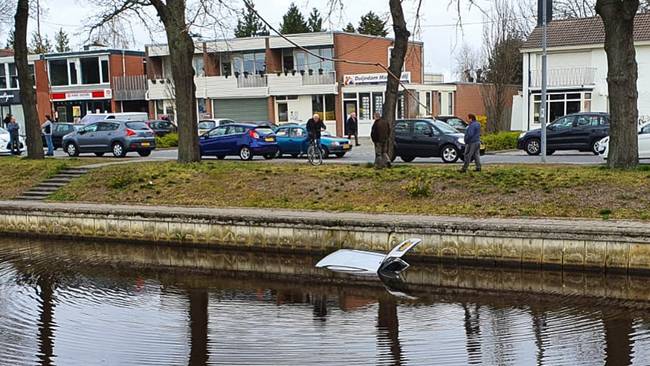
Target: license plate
x=145, y=144
x=346, y=146
x=269, y=139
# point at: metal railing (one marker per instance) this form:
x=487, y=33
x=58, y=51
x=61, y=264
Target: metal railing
x=129, y=87
x=251, y=81
x=573, y=76
x=319, y=79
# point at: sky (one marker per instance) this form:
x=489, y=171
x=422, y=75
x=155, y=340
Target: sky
x=440, y=33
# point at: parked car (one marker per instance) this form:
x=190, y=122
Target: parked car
x=577, y=131
x=415, y=138
x=293, y=140
x=4, y=142
x=161, y=127
x=117, y=137
x=125, y=116
x=240, y=139
x=454, y=122
x=644, y=143
x=59, y=129
x=206, y=125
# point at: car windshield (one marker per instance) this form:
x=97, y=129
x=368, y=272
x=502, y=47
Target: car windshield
x=91, y=118
x=264, y=130
x=137, y=125
x=206, y=125
x=445, y=128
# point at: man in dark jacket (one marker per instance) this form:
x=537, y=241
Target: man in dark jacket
x=352, y=128
x=7, y=120
x=472, y=144
x=314, y=126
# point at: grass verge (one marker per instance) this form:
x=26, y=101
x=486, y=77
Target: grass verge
x=502, y=191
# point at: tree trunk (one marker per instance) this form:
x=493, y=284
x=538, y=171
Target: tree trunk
x=618, y=17
x=181, y=52
x=28, y=101
x=392, y=85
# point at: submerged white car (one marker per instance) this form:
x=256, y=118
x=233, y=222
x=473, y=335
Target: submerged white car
x=4, y=142
x=644, y=143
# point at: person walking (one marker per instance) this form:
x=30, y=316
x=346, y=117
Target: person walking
x=7, y=120
x=47, y=128
x=379, y=136
x=352, y=128
x=472, y=144
x=14, y=142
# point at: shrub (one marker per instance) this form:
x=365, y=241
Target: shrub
x=418, y=187
x=169, y=140
x=505, y=140
x=482, y=119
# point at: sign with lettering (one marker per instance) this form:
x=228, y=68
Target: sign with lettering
x=83, y=95
x=9, y=97
x=378, y=78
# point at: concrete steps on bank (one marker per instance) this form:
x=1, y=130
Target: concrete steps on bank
x=51, y=185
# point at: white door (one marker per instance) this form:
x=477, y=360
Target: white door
x=644, y=142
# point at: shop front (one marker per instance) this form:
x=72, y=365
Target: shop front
x=71, y=106
x=10, y=104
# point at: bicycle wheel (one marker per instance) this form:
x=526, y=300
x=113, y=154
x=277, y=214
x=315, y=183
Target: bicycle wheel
x=314, y=155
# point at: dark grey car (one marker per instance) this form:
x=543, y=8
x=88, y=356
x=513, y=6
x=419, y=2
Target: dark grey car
x=117, y=137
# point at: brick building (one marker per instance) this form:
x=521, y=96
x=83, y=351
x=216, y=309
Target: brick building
x=269, y=79
x=69, y=85
x=10, y=102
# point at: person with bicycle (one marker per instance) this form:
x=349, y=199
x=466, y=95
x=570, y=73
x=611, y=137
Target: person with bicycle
x=314, y=127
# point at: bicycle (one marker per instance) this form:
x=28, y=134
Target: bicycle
x=314, y=152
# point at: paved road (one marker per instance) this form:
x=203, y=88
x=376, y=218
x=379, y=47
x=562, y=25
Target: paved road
x=365, y=153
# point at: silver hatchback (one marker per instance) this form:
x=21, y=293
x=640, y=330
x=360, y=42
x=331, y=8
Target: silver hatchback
x=117, y=137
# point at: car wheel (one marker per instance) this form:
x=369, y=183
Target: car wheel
x=99, y=154
x=449, y=154
x=144, y=153
x=72, y=149
x=118, y=150
x=295, y=156
x=533, y=147
x=324, y=152
x=340, y=155
x=550, y=152
x=594, y=148
x=269, y=156
x=407, y=159
x=221, y=157
x=245, y=153
x=278, y=154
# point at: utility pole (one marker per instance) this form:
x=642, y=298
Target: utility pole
x=542, y=109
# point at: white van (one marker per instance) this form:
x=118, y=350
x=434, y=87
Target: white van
x=126, y=116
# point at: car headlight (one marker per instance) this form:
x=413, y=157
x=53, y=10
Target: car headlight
x=461, y=140
x=335, y=143
x=522, y=134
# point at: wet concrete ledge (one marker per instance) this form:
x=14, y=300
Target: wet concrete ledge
x=570, y=243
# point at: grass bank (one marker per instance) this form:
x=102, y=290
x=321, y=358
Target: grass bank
x=20, y=174
x=506, y=191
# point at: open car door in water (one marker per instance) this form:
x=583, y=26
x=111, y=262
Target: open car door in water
x=360, y=262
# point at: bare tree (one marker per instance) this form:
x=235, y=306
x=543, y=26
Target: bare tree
x=28, y=101
x=468, y=64
x=502, y=39
x=574, y=8
x=178, y=18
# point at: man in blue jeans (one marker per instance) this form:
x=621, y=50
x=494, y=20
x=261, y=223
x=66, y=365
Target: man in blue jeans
x=472, y=144
x=47, y=128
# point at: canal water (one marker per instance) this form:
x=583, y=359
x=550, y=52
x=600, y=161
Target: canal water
x=113, y=304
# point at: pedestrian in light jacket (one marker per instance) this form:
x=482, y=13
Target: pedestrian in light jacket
x=472, y=144
x=46, y=129
x=352, y=128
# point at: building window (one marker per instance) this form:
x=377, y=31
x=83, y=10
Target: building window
x=378, y=103
x=324, y=106
x=587, y=103
x=450, y=103
x=226, y=65
x=249, y=63
x=13, y=76
x=330, y=107
x=364, y=106
x=283, y=112
x=105, y=78
x=3, y=77
x=428, y=103
x=160, y=111
x=197, y=64
x=200, y=102
x=560, y=104
x=73, y=73
x=58, y=72
x=90, y=73
x=287, y=60
x=312, y=61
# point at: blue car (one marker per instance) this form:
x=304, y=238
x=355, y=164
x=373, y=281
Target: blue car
x=239, y=139
x=293, y=140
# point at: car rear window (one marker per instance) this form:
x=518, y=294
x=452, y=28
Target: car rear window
x=445, y=128
x=137, y=125
x=264, y=130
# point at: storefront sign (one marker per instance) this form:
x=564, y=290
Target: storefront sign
x=378, y=78
x=83, y=95
x=9, y=97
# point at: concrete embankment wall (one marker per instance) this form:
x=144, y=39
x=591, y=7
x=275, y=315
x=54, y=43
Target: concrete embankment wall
x=576, y=244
